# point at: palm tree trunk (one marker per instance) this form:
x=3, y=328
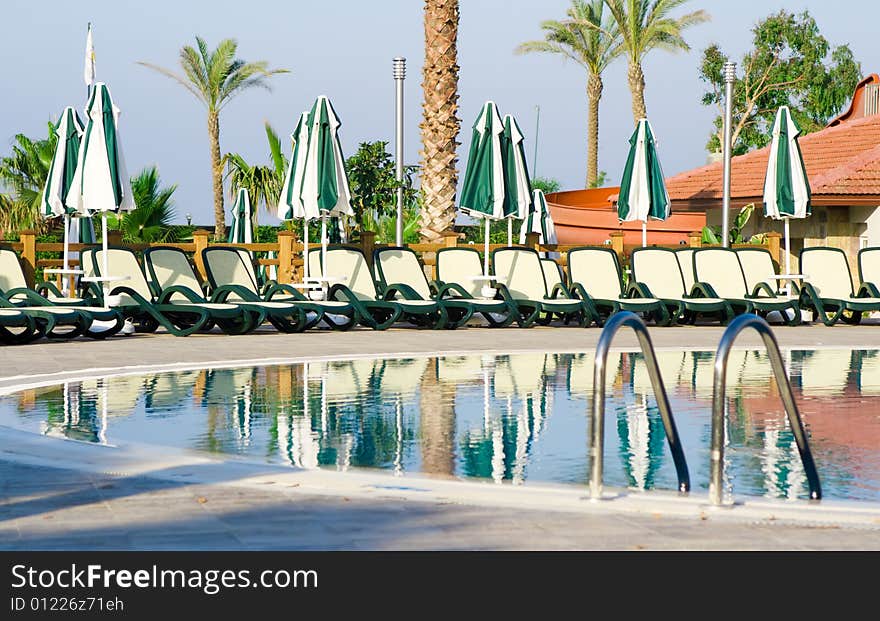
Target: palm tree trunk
x=437, y=423
x=217, y=175
x=594, y=94
x=440, y=124
x=636, y=79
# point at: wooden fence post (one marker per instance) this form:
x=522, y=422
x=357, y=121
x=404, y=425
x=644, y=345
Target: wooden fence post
x=29, y=256
x=695, y=239
x=773, y=245
x=200, y=240
x=450, y=238
x=368, y=243
x=617, y=243
x=532, y=239
x=285, y=256
x=114, y=237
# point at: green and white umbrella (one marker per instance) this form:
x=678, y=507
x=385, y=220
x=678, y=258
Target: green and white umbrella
x=290, y=204
x=242, y=229
x=786, y=187
x=539, y=221
x=517, y=185
x=55, y=195
x=642, y=190
x=101, y=183
x=325, y=192
x=482, y=192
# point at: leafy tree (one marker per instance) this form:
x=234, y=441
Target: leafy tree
x=214, y=78
x=546, y=184
x=592, y=40
x=150, y=220
x=263, y=183
x=712, y=235
x=372, y=178
x=646, y=25
x=790, y=64
x=24, y=174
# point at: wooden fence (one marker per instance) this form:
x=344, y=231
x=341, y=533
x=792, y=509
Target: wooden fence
x=288, y=251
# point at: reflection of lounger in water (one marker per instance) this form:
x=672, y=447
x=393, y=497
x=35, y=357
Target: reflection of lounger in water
x=460, y=369
x=170, y=390
x=671, y=364
x=869, y=373
x=402, y=376
x=824, y=371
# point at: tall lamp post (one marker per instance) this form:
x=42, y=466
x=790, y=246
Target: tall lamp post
x=729, y=77
x=399, y=76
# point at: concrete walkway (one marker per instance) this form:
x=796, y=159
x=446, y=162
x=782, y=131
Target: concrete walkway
x=57, y=494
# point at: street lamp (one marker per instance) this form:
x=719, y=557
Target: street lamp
x=399, y=76
x=189, y=219
x=729, y=77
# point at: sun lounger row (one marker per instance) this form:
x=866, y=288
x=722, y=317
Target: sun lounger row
x=663, y=285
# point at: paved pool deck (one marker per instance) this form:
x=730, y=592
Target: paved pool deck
x=60, y=494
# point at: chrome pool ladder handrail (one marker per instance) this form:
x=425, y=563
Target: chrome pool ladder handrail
x=597, y=435
x=719, y=397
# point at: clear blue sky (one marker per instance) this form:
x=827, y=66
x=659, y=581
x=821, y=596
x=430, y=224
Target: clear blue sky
x=344, y=49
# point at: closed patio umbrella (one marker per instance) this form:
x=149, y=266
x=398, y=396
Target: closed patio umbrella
x=290, y=204
x=60, y=180
x=539, y=221
x=642, y=189
x=242, y=229
x=325, y=190
x=517, y=185
x=482, y=192
x=786, y=187
x=101, y=183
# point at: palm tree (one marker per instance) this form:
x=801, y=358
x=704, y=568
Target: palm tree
x=214, y=78
x=645, y=25
x=24, y=174
x=594, y=48
x=440, y=123
x=263, y=183
x=150, y=221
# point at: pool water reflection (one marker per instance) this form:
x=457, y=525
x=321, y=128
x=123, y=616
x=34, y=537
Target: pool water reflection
x=516, y=418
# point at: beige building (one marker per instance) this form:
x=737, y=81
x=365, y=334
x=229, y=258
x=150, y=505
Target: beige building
x=843, y=166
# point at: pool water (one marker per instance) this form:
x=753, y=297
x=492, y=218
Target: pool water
x=517, y=418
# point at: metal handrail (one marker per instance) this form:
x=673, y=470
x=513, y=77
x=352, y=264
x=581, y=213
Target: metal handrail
x=597, y=436
x=719, y=397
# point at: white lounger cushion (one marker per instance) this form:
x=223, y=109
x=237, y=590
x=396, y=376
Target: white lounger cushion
x=460, y=267
x=402, y=267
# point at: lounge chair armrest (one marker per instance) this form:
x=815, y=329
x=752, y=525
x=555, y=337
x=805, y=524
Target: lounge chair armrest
x=453, y=287
x=702, y=290
x=29, y=294
x=762, y=287
x=560, y=288
x=131, y=293
x=189, y=294
x=47, y=287
x=579, y=291
x=638, y=290
x=222, y=293
x=405, y=291
x=276, y=289
x=435, y=286
x=267, y=285
x=868, y=290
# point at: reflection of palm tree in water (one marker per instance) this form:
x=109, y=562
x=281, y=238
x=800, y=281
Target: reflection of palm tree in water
x=437, y=422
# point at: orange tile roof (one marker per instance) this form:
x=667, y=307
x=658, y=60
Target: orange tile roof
x=840, y=160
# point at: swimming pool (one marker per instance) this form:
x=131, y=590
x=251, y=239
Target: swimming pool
x=519, y=418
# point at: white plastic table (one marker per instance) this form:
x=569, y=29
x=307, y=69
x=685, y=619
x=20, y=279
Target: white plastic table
x=318, y=283
x=64, y=272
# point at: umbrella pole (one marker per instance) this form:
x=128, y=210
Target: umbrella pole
x=324, y=244
x=305, y=250
x=644, y=234
x=65, y=278
x=509, y=232
x=787, y=256
x=486, y=251
x=105, y=266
